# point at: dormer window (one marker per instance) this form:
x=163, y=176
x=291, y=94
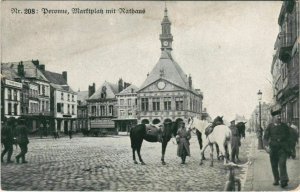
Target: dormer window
x=103, y=93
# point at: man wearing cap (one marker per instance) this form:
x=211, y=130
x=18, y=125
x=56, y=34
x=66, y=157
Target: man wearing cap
x=183, y=137
x=235, y=141
x=276, y=141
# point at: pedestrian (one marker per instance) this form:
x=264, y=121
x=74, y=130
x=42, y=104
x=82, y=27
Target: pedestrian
x=7, y=138
x=235, y=142
x=276, y=139
x=22, y=139
x=293, y=139
x=182, y=138
x=70, y=133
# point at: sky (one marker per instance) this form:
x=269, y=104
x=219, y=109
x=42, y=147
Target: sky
x=227, y=47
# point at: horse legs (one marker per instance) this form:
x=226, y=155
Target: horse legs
x=218, y=151
x=202, y=153
x=133, y=155
x=163, y=150
x=211, y=154
x=139, y=154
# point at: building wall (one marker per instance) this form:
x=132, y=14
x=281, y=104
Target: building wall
x=65, y=103
x=286, y=84
x=12, y=98
x=191, y=105
x=127, y=106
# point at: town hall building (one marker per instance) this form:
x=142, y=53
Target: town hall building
x=168, y=95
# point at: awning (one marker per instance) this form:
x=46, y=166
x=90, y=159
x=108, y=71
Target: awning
x=127, y=119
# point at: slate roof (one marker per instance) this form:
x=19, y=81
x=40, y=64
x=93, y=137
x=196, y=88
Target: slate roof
x=168, y=69
x=111, y=91
x=128, y=90
x=30, y=70
x=55, y=78
x=82, y=96
x=57, y=81
x=8, y=73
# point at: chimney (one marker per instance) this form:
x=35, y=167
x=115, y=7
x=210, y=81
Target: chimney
x=120, y=85
x=21, y=69
x=190, y=81
x=35, y=62
x=42, y=68
x=65, y=75
x=91, y=89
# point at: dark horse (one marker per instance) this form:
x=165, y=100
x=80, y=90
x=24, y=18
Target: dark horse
x=141, y=132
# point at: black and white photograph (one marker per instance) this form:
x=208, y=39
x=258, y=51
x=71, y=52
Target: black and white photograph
x=150, y=95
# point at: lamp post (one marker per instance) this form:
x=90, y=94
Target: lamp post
x=260, y=142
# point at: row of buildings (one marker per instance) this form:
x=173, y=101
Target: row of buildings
x=166, y=96
x=285, y=65
x=42, y=97
x=284, y=70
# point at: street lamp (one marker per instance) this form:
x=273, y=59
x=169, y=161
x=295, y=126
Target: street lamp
x=260, y=142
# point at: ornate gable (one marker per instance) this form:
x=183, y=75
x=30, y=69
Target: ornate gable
x=161, y=85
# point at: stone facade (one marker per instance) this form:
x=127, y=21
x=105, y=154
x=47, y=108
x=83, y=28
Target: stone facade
x=285, y=65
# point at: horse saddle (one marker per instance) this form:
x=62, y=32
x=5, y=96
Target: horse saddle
x=209, y=130
x=155, y=131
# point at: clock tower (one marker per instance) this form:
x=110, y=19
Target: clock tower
x=166, y=37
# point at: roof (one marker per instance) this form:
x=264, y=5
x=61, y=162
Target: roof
x=62, y=87
x=129, y=90
x=82, y=96
x=57, y=81
x=8, y=73
x=168, y=69
x=111, y=91
x=30, y=69
x=55, y=78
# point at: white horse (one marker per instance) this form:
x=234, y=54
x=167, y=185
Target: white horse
x=221, y=135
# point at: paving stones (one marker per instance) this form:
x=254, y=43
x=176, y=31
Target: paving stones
x=105, y=163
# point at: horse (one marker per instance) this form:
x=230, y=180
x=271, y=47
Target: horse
x=161, y=133
x=221, y=135
x=217, y=121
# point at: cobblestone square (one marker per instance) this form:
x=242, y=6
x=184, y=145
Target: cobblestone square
x=105, y=163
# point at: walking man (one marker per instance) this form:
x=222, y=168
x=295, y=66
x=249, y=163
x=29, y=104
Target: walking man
x=7, y=138
x=22, y=140
x=276, y=138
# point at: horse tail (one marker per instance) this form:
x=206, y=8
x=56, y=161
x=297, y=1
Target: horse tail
x=199, y=136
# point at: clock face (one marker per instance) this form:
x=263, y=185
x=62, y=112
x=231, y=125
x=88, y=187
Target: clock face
x=161, y=85
x=166, y=43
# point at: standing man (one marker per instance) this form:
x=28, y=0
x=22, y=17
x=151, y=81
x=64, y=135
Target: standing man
x=235, y=141
x=276, y=140
x=183, y=137
x=7, y=138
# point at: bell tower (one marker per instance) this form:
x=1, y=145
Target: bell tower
x=166, y=37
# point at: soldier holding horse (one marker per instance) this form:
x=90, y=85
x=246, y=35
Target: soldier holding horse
x=151, y=133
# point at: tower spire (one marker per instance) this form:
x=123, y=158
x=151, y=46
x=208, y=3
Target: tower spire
x=166, y=37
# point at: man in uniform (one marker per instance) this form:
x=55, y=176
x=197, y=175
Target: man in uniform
x=276, y=139
x=235, y=141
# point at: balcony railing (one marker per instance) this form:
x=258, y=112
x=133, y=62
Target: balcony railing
x=286, y=45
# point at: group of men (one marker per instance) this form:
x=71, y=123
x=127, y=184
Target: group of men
x=14, y=132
